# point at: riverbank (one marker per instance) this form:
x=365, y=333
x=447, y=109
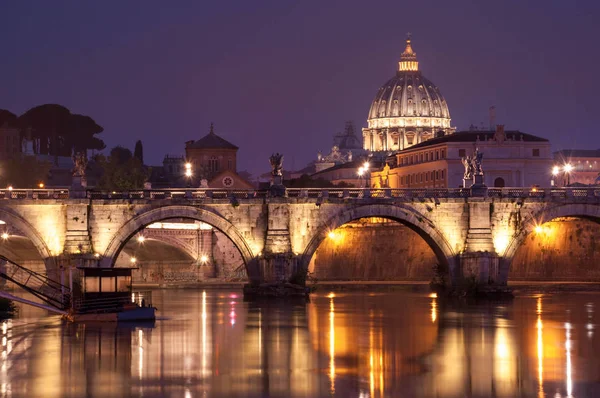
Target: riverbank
x=522, y=287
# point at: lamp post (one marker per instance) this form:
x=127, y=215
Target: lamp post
x=188, y=173
x=567, y=169
x=566, y=173
x=366, y=171
x=555, y=171
x=360, y=173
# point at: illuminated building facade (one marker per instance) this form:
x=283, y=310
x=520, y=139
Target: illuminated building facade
x=210, y=162
x=576, y=166
x=407, y=110
x=511, y=159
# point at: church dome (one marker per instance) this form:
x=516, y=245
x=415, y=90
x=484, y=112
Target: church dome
x=408, y=105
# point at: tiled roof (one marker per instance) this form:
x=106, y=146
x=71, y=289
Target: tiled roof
x=471, y=136
x=578, y=153
x=210, y=141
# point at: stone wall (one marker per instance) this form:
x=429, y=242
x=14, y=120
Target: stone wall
x=228, y=261
x=561, y=250
x=367, y=251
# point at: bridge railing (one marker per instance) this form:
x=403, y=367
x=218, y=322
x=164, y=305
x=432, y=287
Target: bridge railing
x=34, y=193
x=320, y=194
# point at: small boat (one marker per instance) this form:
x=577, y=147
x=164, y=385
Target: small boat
x=106, y=295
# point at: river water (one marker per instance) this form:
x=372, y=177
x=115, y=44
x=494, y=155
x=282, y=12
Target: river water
x=352, y=344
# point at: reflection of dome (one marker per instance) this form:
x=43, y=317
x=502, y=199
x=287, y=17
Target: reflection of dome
x=407, y=109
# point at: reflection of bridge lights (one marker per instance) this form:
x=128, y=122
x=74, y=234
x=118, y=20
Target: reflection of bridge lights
x=569, y=383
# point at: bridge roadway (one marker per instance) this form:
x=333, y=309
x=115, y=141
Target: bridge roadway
x=473, y=233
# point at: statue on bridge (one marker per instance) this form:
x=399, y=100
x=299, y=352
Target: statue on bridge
x=473, y=176
x=469, y=169
x=476, y=160
x=80, y=162
x=276, y=161
x=277, y=188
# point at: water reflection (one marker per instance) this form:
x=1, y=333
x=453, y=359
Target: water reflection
x=213, y=344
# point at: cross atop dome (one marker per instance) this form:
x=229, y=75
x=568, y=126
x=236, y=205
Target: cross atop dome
x=408, y=59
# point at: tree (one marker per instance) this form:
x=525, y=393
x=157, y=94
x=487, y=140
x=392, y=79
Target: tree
x=7, y=117
x=80, y=134
x=121, y=171
x=49, y=124
x=138, y=152
x=23, y=172
x=57, y=132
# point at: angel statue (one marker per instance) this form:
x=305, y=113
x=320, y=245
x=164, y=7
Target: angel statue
x=276, y=161
x=80, y=162
x=468, y=163
x=476, y=160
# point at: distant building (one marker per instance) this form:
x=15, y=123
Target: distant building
x=511, y=159
x=576, y=166
x=212, y=163
x=346, y=146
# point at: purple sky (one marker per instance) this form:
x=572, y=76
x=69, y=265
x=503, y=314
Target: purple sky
x=285, y=76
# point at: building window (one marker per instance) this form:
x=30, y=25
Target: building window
x=443, y=154
x=437, y=155
x=443, y=174
x=462, y=153
x=426, y=177
x=536, y=152
x=421, y=158
x=499, y=182
x=213, y=164
x=229, y=164
x=437, y=174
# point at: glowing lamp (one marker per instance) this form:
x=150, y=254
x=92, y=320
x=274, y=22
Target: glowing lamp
x=188, y=172
x=188, y=165
x=331, y=235
x=141, y=239
x=41, y=185
x=555, y=170
x=568, y=168
x=204, y=259
x=4, y=235
x=133, y=260
x=538, y=229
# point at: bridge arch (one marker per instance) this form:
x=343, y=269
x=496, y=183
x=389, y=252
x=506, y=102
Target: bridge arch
x=29, y=231
x=133, y=226
x=400, y=213
x=579, y=210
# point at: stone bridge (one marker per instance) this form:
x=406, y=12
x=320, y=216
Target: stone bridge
x=473, y=234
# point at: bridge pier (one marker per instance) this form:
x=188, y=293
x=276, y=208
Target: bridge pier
x=479, y=262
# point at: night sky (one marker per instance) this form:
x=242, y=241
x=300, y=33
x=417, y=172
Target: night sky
x=285, y=76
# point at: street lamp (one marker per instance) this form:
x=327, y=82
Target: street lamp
x=188, y=173
x=360, y=173
x=566, y=170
